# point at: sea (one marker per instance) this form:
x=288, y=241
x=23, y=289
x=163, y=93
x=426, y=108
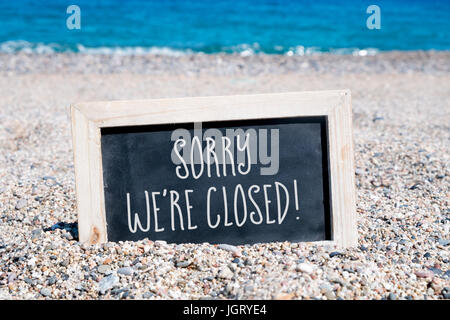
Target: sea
x=244, y=27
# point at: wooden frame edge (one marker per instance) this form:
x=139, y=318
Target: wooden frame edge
x=89, y=118
x=343, y=193
x=89, y=179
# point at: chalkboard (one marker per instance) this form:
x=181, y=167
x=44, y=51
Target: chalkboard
x=230, y=169
x=288, y=202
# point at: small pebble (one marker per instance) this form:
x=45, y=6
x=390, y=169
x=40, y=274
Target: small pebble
x=305, y=268
x=225, y=273
x=104, y=269
x=183, y=264
x=46, y=292
x=21, y=204
x=36, y=233
x=335, y=254
x=424, y=273
x=107, y=283
x=52, y=280
x=233, y=249
x=127, y=271
x=446, y=293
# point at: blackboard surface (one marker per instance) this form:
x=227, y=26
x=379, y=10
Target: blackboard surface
x=137, y=161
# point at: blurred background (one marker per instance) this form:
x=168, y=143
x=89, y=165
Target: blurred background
x=292, y=27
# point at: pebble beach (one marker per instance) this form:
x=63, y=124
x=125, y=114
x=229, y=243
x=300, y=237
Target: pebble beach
x=401, y=127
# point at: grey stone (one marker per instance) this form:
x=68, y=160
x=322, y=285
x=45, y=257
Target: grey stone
x=79, y=287
x=444, y=242
x=327, y=291
x=104, y=269
x=335, y=254
x=446, y=293
x=52, y=280
x=325, y=287
x=65, y=262
x=118, y=291
x=183, y=264
x=35, y=234
x=249, y=288
x=67, y=235
x=305, y=268
x=229, y=289
x=225, y=273
x=377, y=118
x=46, y=292
x=248, y=262
x=228, y=247
x=436, y=271
x=127, y=271
x=21, y=204
x=108, y=283
x=125, y=293
x=11, y=277
x=50, y=181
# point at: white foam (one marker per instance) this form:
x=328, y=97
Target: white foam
x=28, y=47
x=165, y=51
x=311, y=51
x=244, y=50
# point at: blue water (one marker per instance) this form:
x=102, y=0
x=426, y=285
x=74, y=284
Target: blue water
x=242, y=26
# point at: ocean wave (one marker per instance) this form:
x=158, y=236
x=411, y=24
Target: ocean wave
x=15, y=46
x=165, y=51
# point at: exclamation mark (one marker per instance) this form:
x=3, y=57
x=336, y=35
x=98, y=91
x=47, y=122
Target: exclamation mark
x=296, y=198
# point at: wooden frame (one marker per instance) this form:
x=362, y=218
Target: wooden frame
x=88, y=118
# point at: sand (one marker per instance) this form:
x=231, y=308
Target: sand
x=401, y=132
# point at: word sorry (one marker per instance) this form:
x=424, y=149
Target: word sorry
x=236, y=148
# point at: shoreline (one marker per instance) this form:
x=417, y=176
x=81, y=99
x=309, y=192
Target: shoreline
x=434, y=62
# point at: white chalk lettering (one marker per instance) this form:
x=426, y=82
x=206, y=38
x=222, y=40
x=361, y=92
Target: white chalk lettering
x=286, y=207
x=253, y=213
x=240, y=190
x=137, y=222
x=155, y=212
x=174, y=197
x=188, y=210
x=196, y=142
x=182, y=143
x=267, y=202
x=208, y=209
x=245, y=147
